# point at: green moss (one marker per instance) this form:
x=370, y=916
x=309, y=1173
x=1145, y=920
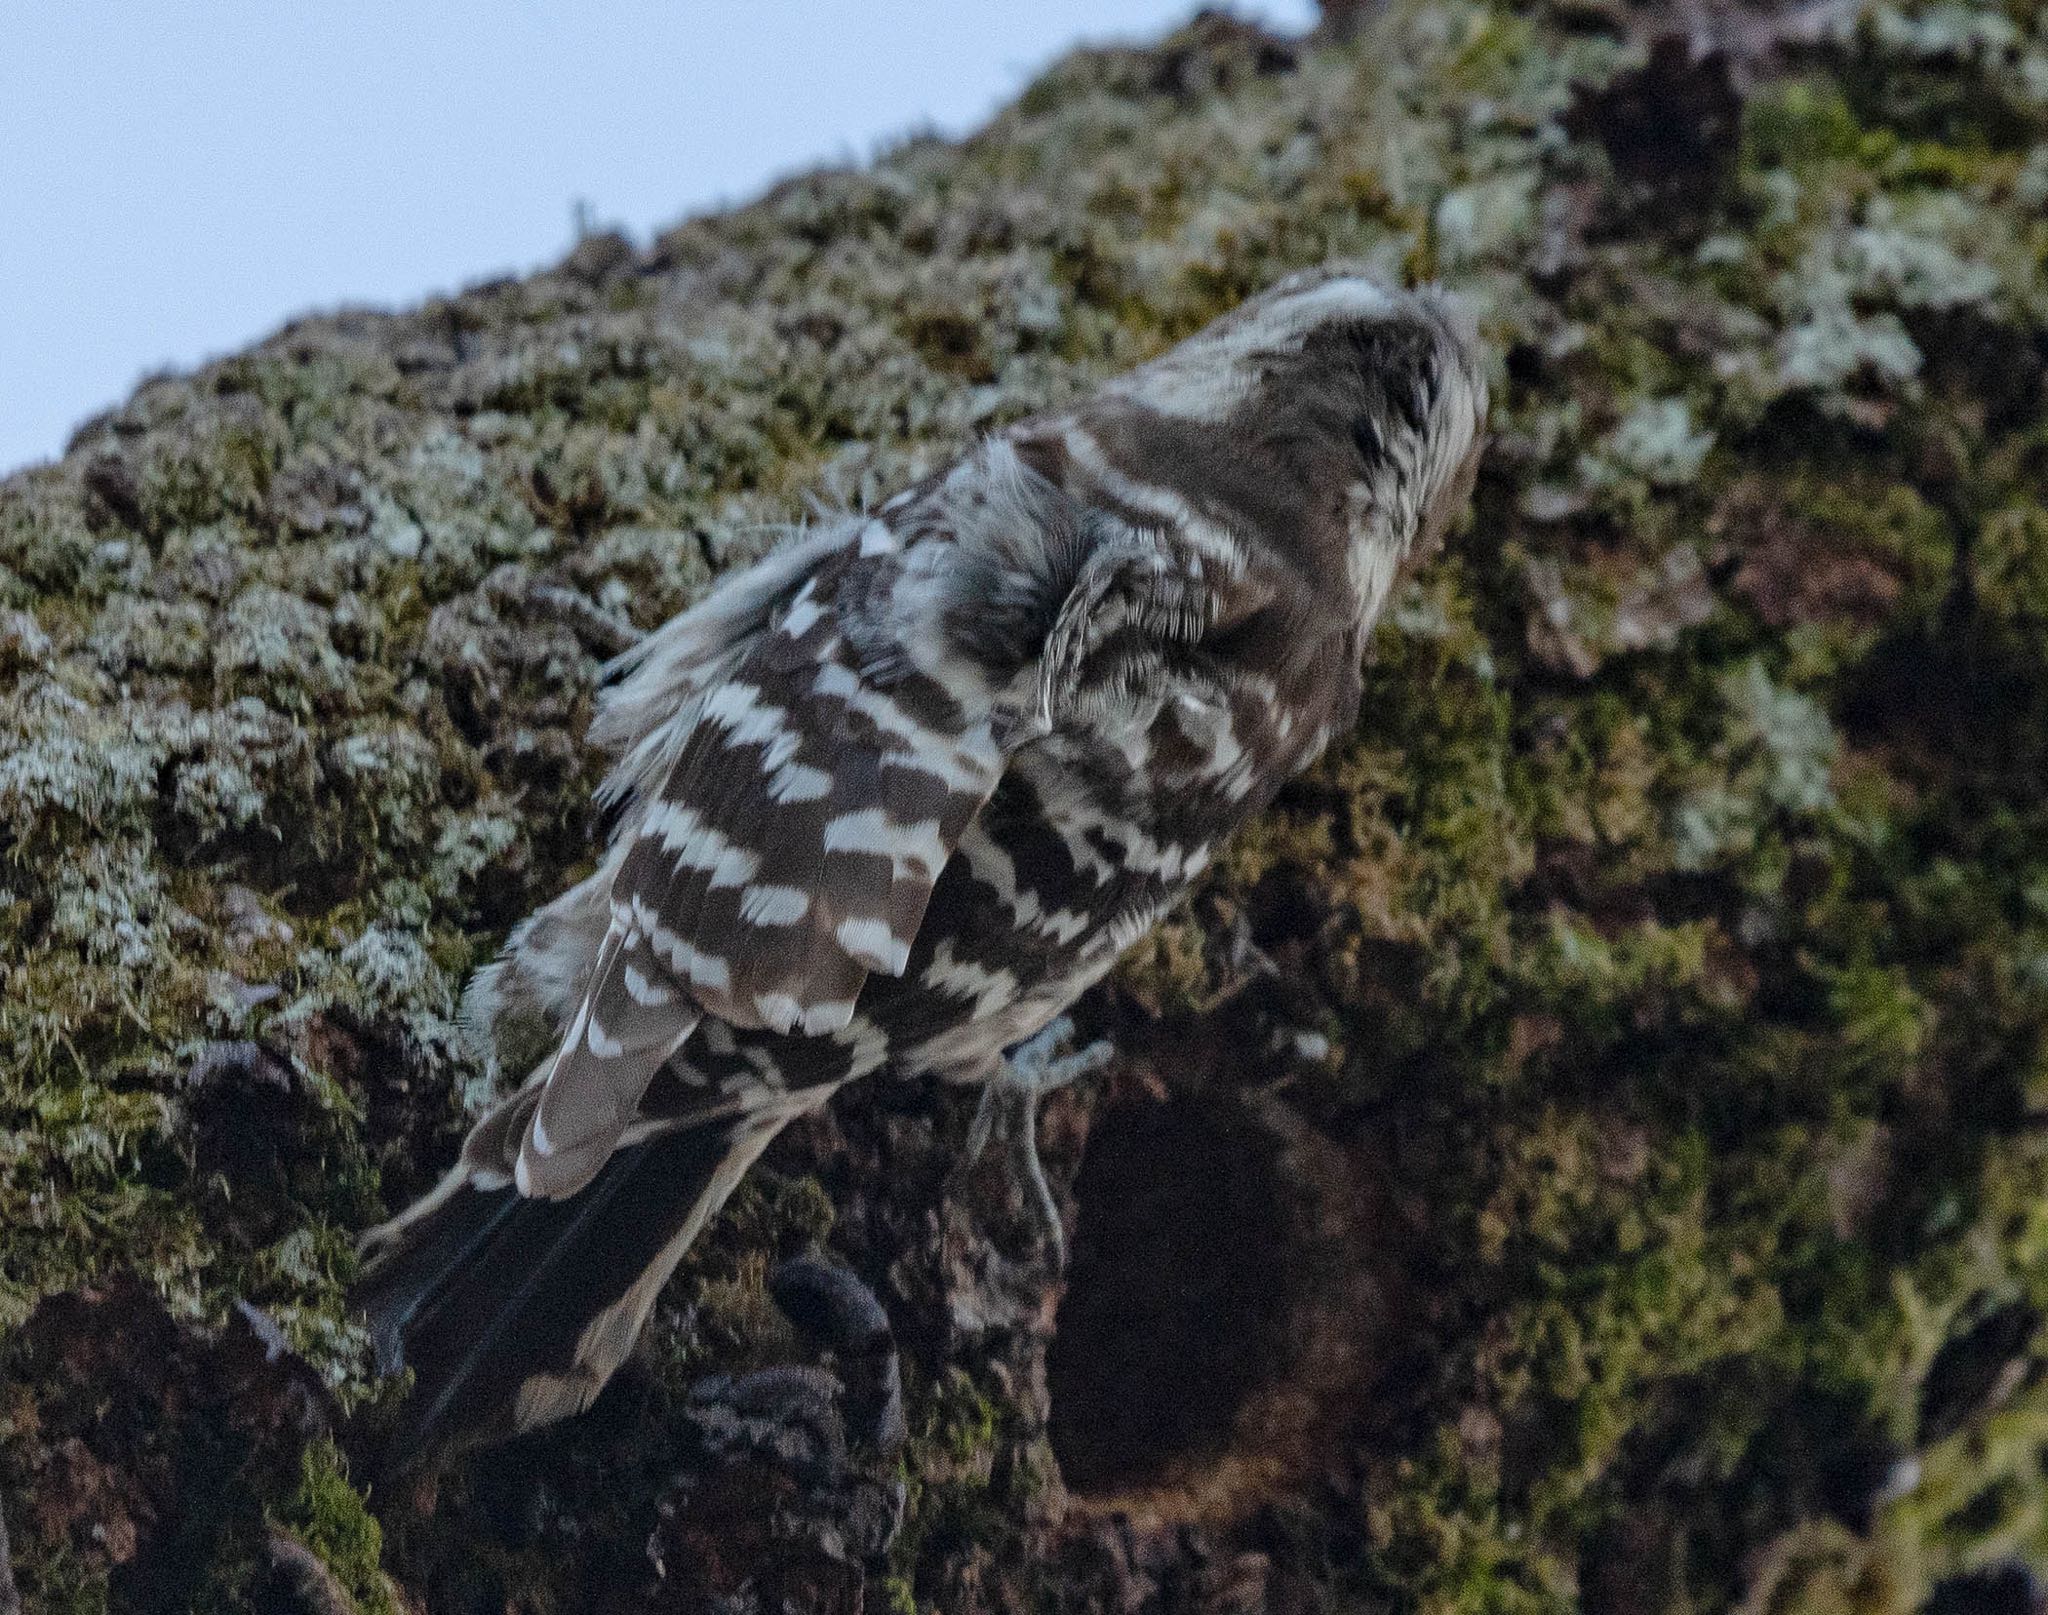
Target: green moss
x=329, y=1516
x=57, y=1583
x=961, y=1488
x=2009, y=572
x=1802, y=124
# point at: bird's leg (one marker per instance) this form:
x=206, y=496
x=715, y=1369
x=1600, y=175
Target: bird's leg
x=1009, y=1109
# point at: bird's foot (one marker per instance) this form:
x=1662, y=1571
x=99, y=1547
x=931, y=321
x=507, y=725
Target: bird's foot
x=1009, y=1110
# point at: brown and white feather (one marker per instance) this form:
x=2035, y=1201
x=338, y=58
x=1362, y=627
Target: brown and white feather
x=896, y=795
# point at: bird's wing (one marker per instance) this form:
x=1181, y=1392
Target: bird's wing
x=651, y=698
x=654, y=692
x=1122, y=632
x=792, y=847
x=832, y=768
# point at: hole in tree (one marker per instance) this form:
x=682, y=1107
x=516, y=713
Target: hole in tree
x=1217, y=1309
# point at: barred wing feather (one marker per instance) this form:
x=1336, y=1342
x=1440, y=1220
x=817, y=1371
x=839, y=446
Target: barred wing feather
x=790, y=852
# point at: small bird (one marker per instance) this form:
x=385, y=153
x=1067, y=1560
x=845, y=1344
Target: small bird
x=893, y=798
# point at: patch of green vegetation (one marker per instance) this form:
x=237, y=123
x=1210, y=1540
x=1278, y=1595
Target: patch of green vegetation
x=1804, y=124
x=329, y=1516
x=964, y=1488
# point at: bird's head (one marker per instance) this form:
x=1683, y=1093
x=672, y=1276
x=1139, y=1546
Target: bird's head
x=1328, y=416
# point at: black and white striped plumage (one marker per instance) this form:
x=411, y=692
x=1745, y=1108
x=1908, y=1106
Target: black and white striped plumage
x=896, y=796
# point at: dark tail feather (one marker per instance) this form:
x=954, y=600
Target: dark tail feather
x=512, y=1312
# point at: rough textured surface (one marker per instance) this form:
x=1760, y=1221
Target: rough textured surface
x=1603, y=1106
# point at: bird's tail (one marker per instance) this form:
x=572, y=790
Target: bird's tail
x=513, y=1312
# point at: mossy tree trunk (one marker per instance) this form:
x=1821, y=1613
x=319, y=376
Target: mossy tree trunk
x=1584, y=1148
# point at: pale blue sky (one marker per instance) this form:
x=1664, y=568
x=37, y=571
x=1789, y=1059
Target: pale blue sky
x=177, y=179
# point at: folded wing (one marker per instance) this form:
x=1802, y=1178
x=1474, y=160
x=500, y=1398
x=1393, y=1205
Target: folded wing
x=790, y=851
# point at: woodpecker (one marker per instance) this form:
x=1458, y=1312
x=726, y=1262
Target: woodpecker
x=893, y=798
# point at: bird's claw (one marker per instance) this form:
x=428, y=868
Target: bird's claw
x=1009, y=1109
